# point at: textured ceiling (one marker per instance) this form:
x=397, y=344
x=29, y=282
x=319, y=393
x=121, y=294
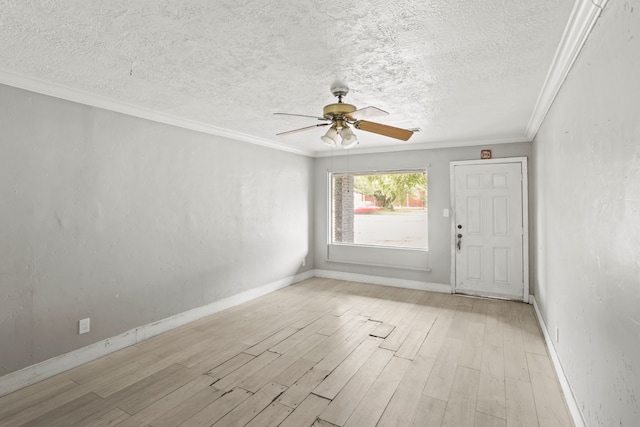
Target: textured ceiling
x=460, y=70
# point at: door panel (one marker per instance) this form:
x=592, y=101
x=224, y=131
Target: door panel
x=489, y=230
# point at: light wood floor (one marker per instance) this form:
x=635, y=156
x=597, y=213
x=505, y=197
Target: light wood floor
x=319, y=353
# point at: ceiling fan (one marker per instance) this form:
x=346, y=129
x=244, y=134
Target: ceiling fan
x=340, y=115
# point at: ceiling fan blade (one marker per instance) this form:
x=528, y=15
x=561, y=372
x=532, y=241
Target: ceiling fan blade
x=300, y=115
x=303, y=129
x=385, y=130
x=366, y=112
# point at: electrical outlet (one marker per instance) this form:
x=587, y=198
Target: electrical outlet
x=557, y=334
x=445, y=213
x=304, y=262
x=84, y=325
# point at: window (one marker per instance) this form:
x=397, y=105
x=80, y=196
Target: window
x=380, y=209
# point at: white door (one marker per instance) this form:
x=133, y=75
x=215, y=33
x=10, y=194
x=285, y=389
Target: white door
x=489, y=229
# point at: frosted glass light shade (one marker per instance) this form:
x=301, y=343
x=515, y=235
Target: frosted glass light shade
x=349, y=139
x=331, y=137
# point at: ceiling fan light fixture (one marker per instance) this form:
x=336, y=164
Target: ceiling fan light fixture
x=349, y=139
x=331, y=137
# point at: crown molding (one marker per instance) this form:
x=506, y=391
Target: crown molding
x=583, y=17
x=33, y=84
x=43, y=87
x=422, y=146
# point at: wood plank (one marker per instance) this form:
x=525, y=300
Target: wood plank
x=229, y=366
x=161, y=406
x=216, y=357
x=382, y=330
x=271, y=416
x=336, y=323
x=491, y=390
x=287, y=344
x=11, y=404
x=249, y=408
x=40, y=408
x=531, y=333
x=111, y=418
x=218, y=408
x=443, y=373
x=459, y=323
x=176, y=340
x=370, y=408
x=493, y=324
x=337, y=347
x=154, y=387
x=349, y=397
x=202, y=351
x=71, y=413
x=472, y=346
x=271, y=341
x=521, y=408
x=437, y=334
x=301, y=389
x=120, y=374
x=306, y=413
x=305, y=346
x=293, y=372
x=256, y=381
x=108, y=387
x=429, y=412
x=396, y=338
x=322, y=423
x=265, y=326
x=550, y=405
x=484, y=420
x=514, y=354
x=187, y=408
x=96, y=368
x=309, y=318
x=399, y=412
x=236, y=377
x=330, y=387
x=461, y=408
x=412, y=344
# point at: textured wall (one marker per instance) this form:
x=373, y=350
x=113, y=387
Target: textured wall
x=587, y=221
x=129, y=221
x=437, y=163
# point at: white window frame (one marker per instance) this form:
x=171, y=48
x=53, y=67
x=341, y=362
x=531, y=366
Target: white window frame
x=376, y=256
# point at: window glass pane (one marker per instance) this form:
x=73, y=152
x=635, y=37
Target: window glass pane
x=380, y=209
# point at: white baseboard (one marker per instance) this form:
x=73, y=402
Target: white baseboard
x=48, y=368
x=572, y=404
x=385, y=281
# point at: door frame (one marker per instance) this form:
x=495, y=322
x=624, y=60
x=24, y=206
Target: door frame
x=525, y=215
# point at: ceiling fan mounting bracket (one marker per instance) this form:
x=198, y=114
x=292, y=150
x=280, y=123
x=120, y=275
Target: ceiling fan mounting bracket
x=339, y=91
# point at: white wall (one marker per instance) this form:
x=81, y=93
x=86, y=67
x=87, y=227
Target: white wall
x=437, y=163
x=587, y=220
x=129, y=221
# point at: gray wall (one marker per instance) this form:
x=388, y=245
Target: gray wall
x=129, y=221
x=587, y=221
x=437, y=163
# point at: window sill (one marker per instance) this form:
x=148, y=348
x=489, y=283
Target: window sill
x=372, y=264
x=376, y=256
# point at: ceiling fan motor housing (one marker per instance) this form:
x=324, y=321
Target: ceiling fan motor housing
x=337, y=111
